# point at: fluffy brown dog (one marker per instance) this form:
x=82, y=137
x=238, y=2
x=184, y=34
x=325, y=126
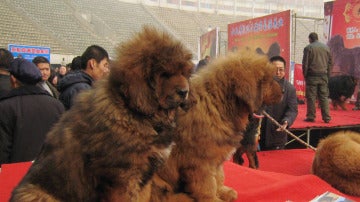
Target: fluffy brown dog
x=226, y=92
x=337, y=161
x=107, y=147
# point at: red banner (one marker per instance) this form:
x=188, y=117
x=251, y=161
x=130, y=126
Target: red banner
x=268, y=35
x=346, y=21
x=299, y=82
x=209, y=44
x=344, y=41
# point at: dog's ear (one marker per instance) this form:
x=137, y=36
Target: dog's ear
x=133, y=86
x=246, y=94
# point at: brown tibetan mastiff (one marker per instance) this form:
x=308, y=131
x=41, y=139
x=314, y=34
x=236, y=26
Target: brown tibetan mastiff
x=108, y=146
x=225, y=92
x=337, y=161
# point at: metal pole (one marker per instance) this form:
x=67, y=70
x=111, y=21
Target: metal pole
x=288, y=132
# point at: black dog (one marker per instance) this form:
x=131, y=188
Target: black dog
x=341, y=88
x=249, y=143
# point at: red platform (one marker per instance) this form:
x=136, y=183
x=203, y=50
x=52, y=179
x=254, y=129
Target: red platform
x=284, y=175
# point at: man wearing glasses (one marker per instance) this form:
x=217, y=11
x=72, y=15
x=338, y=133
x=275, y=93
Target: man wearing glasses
x=284, y=112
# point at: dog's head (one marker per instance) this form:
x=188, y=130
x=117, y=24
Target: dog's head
x=152, y=73
x=251, y=79
x=244, y=81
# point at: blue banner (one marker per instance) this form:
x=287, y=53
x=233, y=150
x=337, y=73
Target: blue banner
x=29, y=52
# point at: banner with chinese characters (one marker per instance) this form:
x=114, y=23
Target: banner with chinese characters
x=269, y=35
x=209, y=44
x=343, y=17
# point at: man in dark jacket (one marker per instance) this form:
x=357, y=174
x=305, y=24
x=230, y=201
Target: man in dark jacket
x=202, y=63
x=317, y=64
x=44, y=66
x=5, y=59
x=284, y=112
x=27, y=113
x=94, y=66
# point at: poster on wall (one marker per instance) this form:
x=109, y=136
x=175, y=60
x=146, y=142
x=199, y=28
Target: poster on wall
x=209, y=44
x=268, y=35
x=344, y=39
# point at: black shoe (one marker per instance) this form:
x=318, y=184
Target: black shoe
x=309, y=120
x=327, y=121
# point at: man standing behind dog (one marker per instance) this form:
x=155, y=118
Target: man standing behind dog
x=284, y=112
x=27, y=113
x=316, y=64
x=94, y=66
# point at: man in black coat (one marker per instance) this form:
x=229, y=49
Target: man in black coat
x=5, y=59
x=94, y=66
x=27, y=113
x=285, y=112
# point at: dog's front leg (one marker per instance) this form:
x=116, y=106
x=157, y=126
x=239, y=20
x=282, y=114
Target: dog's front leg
x=200, y=183
x=224, y=193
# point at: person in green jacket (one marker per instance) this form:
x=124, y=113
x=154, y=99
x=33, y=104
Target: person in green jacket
x=317, y=64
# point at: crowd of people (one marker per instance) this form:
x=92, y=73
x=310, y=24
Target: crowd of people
x=33, y=96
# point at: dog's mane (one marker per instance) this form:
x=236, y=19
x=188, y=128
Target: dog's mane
x=225, y=72
x=149, y=53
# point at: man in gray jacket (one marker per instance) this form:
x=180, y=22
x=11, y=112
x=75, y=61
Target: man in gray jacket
x=317, y=64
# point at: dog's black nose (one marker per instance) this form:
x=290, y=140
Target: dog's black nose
x=182, y=93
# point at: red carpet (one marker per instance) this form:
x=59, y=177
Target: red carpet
x=284, y=175
x=292, y=161
x=338, y=118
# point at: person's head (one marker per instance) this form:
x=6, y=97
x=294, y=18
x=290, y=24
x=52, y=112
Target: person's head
x=207, y=58
x=76, y=63
x=6, y=58
x=62, y=70
x=313, y=37
x=280, y=65
x=53, y=77
x=44, y=66
x=95, y=62
x=24, y=72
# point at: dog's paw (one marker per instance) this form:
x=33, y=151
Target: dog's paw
x=227, y=194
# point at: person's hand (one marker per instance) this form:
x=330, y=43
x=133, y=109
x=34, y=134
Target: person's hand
x=283, y=126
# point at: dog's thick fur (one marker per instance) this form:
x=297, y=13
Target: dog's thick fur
x=337, y=161
x=107, y=147
x=226, y=92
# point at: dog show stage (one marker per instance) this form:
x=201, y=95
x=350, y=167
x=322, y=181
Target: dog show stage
x=283, y=175
x=311, y=132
